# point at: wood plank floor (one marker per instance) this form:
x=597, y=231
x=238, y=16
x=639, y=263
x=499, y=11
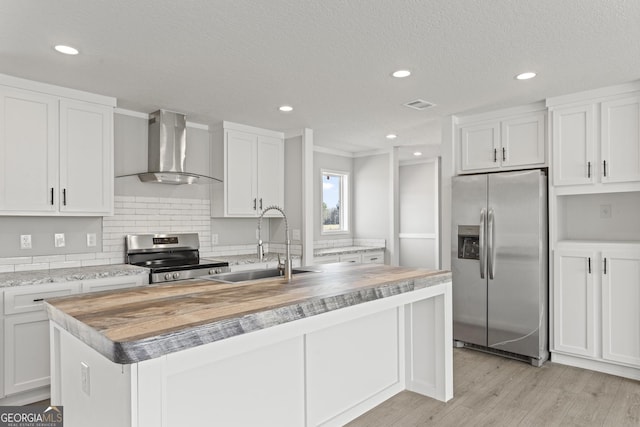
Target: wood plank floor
x=494, y=391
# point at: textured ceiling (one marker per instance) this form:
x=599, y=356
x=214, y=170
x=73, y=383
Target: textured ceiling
x=238, y=60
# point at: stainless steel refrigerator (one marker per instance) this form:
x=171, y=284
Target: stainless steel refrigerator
x=499, y=263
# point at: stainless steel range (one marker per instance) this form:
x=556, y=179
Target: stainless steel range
x=170, y=256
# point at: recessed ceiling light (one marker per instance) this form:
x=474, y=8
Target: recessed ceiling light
x=526, y=76
x=67, y=50
x=401, y=73
x=417, y=153
x=392, y=136
x=286, y=108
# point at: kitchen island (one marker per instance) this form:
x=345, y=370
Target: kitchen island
x=319, y=350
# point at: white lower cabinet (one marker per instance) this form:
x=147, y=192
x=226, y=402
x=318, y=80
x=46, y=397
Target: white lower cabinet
x=26, y=365
x=357, y=258
x=621, y=307
x=596, y=306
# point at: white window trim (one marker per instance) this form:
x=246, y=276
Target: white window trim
x=345, y=211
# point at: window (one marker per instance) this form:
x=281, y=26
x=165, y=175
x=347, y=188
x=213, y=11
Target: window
x=335, y=202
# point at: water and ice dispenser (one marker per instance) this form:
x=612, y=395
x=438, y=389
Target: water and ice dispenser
x=469, y=242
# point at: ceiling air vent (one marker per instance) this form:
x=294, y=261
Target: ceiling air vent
x=419, y=104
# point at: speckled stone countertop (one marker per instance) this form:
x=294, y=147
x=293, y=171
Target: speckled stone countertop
x=38, y=277
x=133, y=325
x=248, y=258
x=347, y=250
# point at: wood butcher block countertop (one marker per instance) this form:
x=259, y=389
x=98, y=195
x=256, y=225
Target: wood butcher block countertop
x=133, y=325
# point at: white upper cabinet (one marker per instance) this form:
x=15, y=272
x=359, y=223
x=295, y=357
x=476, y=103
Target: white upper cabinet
x=56, y=153
x=574, y=145
x=86, y=158
x=512, y=142
x=620, y=140
x=253, y=164
x=479, y=146
x=28, y=152
x=597, y=142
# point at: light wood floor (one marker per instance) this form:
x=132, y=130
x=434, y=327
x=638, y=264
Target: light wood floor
x=494, y=391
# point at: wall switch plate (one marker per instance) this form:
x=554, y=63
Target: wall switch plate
x=296, y=234
x=91, y=239
x=58, y=240
x=25, y=241
x=85, y=378
x=605, y=211
x=214, y=239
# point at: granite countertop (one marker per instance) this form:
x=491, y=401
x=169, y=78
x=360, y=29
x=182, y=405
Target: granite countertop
x=133, y=325
x=347, y=250
x=38, y=277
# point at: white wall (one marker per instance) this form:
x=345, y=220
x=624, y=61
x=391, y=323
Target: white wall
x=418, y=199
x=447, y=170
x=371, y=196
x=336, y=163
x=580, y=219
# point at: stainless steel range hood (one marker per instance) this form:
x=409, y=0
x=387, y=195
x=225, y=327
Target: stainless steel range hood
x=168, y=151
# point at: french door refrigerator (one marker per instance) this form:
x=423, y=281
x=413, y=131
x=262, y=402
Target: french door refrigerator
x=499, y=263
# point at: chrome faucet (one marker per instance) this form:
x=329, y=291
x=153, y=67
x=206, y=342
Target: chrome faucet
x=287, y=261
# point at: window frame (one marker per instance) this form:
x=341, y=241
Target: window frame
x=343, y=199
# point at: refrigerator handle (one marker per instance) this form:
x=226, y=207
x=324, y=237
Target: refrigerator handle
x=483, y=252
x=490, y=245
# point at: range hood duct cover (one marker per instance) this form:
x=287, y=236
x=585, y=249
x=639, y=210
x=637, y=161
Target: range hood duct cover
x=168, y=151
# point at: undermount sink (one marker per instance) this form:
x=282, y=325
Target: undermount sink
x=243, y=276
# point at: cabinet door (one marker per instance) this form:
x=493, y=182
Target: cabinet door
x=86, y=158
x=26, y=352
x=240, y=174
x=523, y=141
x=479, y=146
x=574, y=145
x=270, y=173
x=620, y=141
x=28, y=152
x=574, y=302
x=621, y=307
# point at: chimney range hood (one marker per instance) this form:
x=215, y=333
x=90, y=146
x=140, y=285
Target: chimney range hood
x=168, y=151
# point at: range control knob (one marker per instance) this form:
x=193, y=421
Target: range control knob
x=215, y=271
x=176, y=275
x=167, y=276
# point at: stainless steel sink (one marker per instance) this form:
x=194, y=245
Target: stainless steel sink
x=243, y=276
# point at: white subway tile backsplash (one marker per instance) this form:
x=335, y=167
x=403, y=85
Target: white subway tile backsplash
x=17, y=260
x=48, y=258
x=80, y=257
x=65, y=264
x=7, y=268
x=30, y=267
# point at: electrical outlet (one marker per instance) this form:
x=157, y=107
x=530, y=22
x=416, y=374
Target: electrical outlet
x=214, y=239
x=25, y=241
x=58, y=240
x=605, y=211
x=91, y=239
x=85, y=378
x=296, y=234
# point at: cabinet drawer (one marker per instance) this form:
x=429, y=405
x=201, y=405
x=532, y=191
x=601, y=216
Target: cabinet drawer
x=29, y=298
x=354, y=258
x=112, y=283
x=373, y=258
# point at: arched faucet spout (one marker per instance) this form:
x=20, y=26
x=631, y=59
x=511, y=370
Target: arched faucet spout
x=287, y=261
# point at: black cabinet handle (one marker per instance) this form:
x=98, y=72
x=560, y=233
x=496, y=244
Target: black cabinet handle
x=504, y=154
x=255, y=201
x=605, y=167
x=38, y=299
x=260, y=203
x=605, y=266
x=495, y=155
x=588, y=169
x=589, y=263
x=51, y=196
x=64, y=196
